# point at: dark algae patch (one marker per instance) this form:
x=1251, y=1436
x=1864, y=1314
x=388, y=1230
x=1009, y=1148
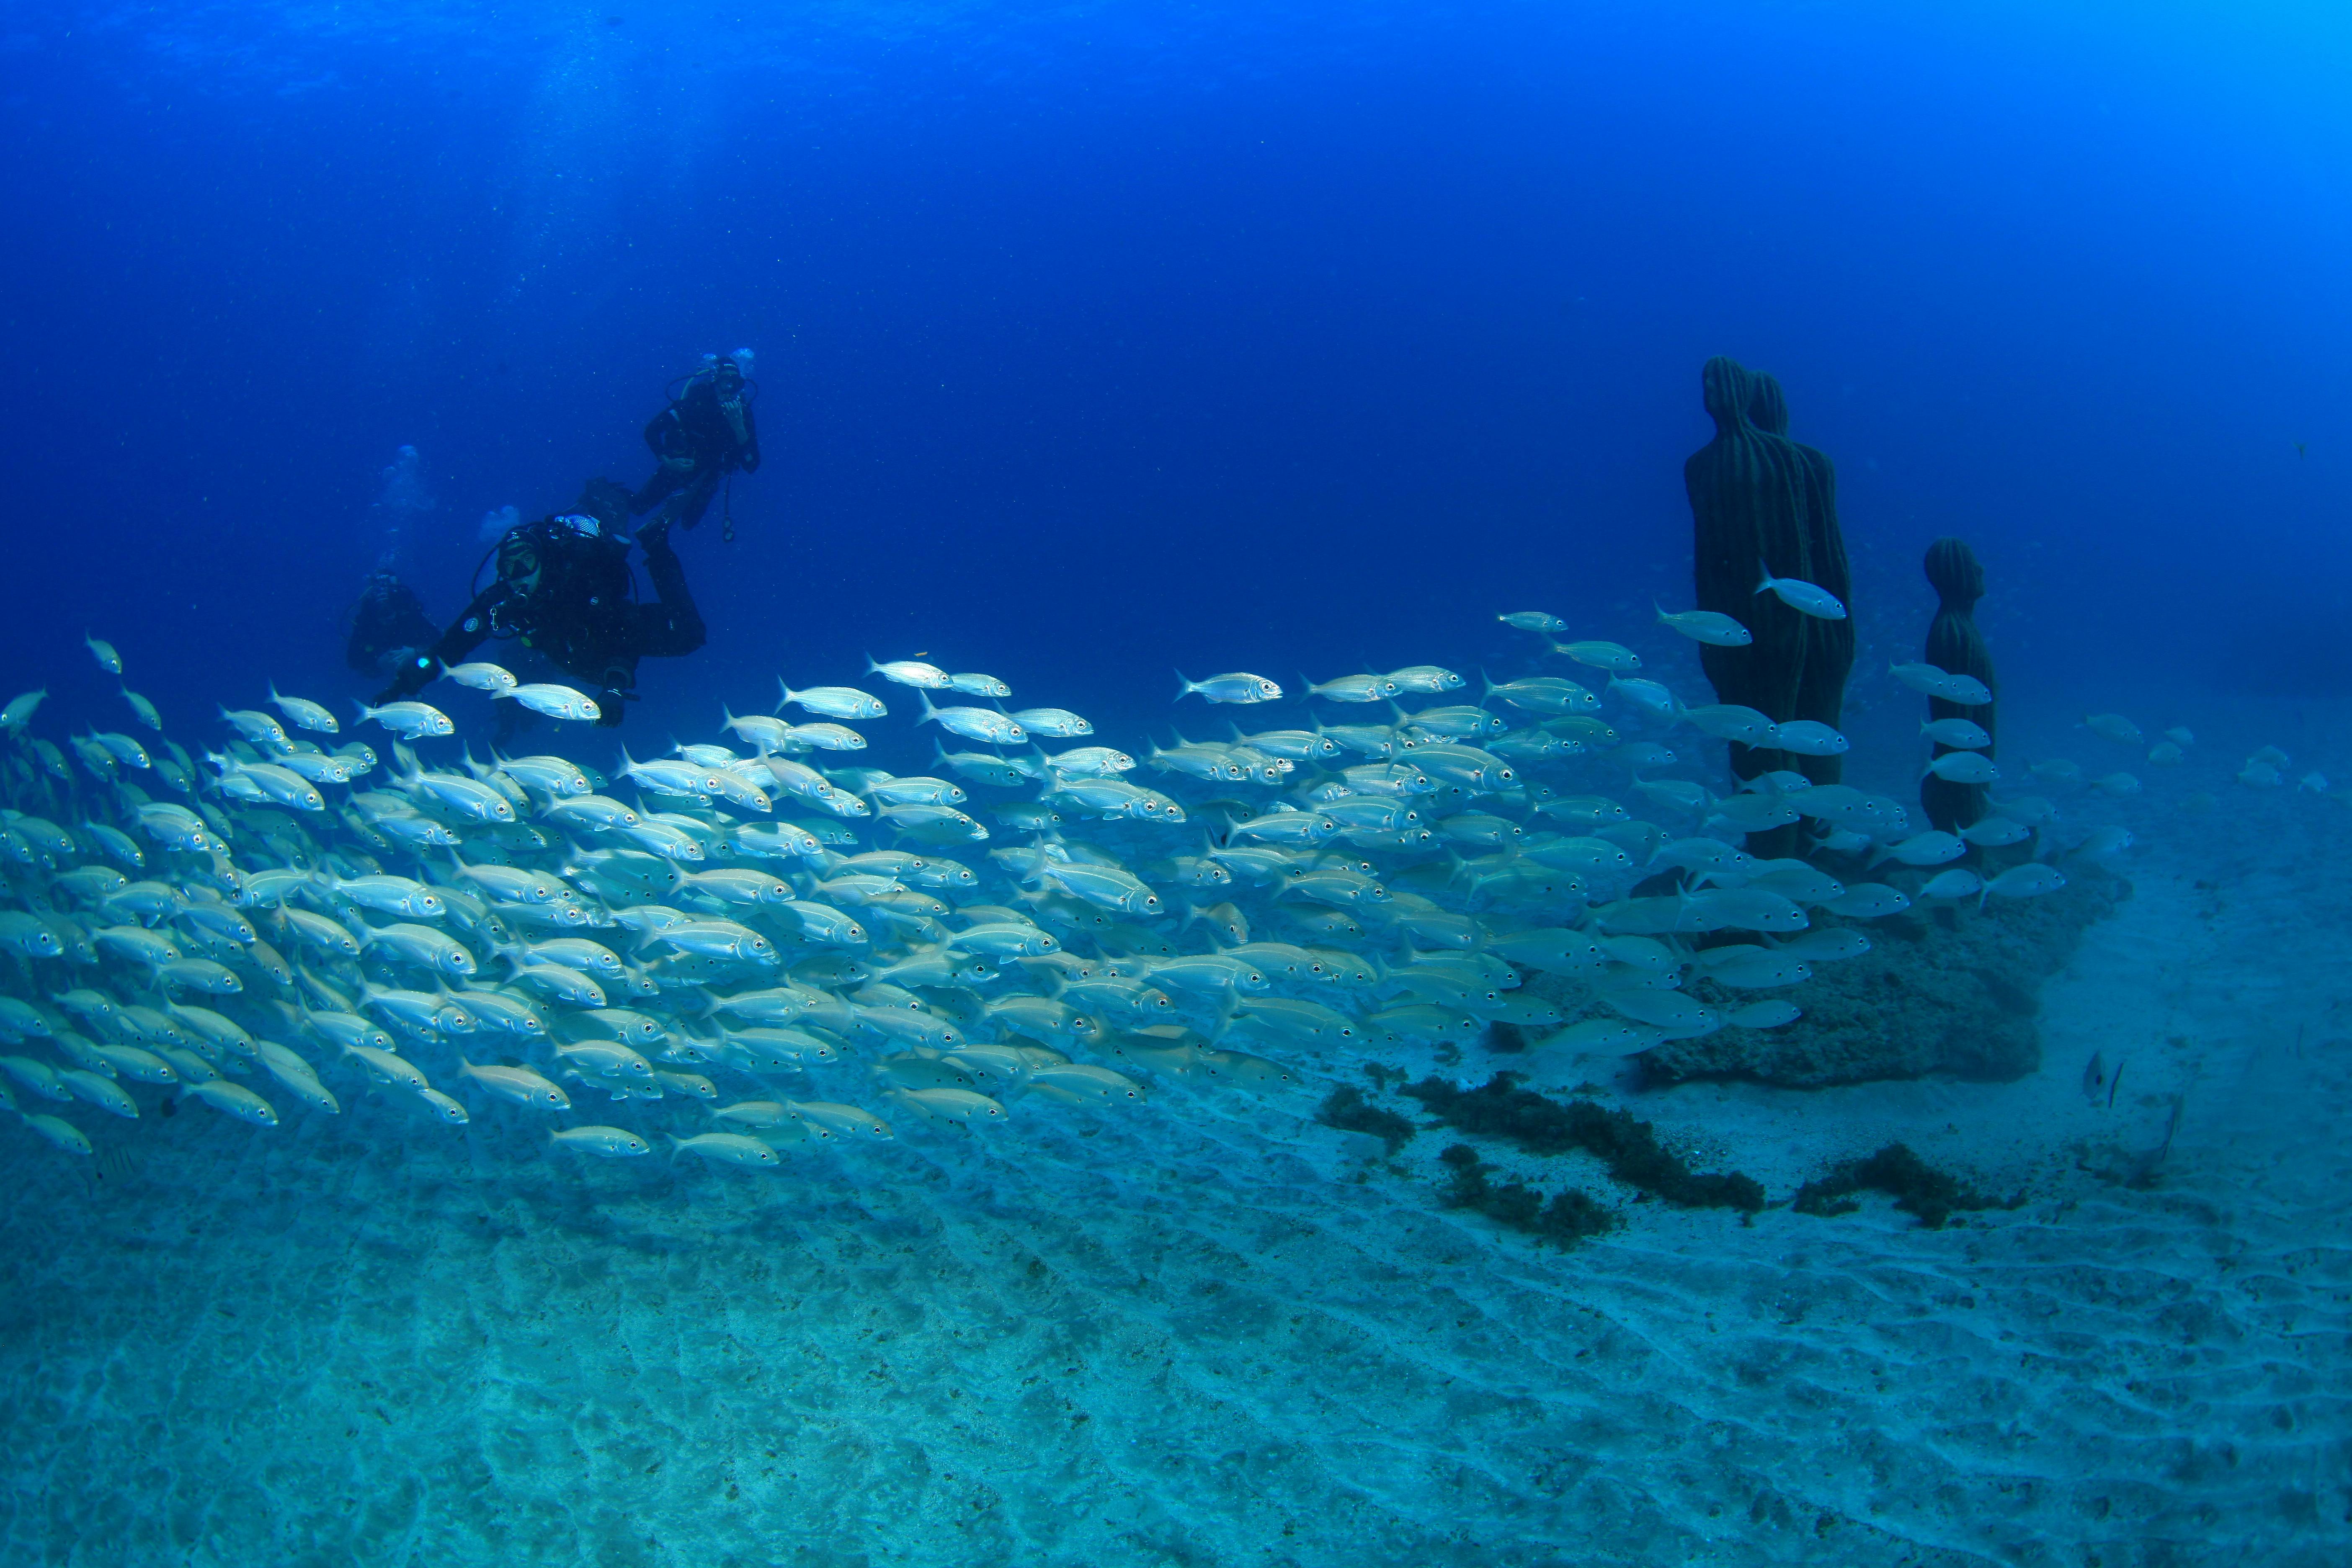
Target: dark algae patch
x=1346, y=1109
x=1566, y=1220
x=1916, y=1187
x=1501, y=1108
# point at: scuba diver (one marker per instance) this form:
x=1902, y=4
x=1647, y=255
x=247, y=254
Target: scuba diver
x=702, y=437
x=563, y=587
x=389, y=626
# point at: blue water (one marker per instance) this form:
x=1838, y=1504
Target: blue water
x=1101, y=342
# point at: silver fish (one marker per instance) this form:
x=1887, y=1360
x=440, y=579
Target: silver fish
x=1805, y=598
x=835, y=702
x=143, y=708
x=303, y=714
x=234, y=1100
x=1614, y=658
x=410, y=721
x=1708, y=626
x=490, y=677
x=727, y=1149
x=555, y=701
x=519, y=1085
x=975, y=724
x=21, y=708
x=1965, y=767
x=912, y=672
x=608, y=1143
x=1240, y=687
x=1964, y=733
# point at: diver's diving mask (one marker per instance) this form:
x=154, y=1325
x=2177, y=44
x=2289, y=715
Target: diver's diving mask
x=519, y=566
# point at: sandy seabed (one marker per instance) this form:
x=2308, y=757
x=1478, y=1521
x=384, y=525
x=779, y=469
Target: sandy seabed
x=1209, y=1331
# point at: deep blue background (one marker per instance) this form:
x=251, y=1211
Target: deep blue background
x=1096, y=341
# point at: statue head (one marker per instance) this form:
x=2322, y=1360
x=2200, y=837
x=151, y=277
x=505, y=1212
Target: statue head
x=1723, y=386
x=1956, y=574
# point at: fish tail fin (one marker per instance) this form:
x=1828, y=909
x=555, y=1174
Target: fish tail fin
x=1765, y=567
x=930, y=711
x=784, y=694
x=1662, y=611
x=1229, y=1006
x=1184, y=687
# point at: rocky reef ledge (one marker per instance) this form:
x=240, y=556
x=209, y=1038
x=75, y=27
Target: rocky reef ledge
x=1945, y=990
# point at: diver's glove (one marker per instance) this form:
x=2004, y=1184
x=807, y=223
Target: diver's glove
x=609, y=713
x=416, y=672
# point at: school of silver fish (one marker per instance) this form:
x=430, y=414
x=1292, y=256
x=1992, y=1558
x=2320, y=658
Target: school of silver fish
x=763, y=946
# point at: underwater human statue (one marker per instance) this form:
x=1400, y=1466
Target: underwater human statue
x=1955, y=645
x=1764, y=505
x=563, y=589
x=1829, y=646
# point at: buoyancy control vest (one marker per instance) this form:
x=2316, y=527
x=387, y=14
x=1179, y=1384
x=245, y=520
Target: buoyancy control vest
x=569, y=590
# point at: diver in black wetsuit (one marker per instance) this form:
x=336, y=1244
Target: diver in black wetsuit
x=705, y=433
x=563, y=588
x=389, y=626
